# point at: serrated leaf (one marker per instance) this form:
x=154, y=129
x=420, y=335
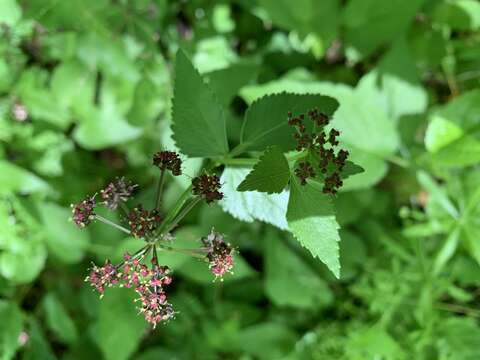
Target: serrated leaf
x=252, y=205
x=198, y=118
x=311, y=219
x=270, y=174
x=266, y=119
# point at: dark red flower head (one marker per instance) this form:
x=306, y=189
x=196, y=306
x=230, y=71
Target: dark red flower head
x=208, y=187
x=82, y=213
x=143, y=222
x=117, y=192
x=168, y=160
x=219, y=254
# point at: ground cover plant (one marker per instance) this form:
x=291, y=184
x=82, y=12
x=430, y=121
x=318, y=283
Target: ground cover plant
x=239, y=179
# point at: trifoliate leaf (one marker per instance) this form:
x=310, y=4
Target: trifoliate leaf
x=198, y=118
x=270, y=174
x=266, y=119
x=311, y=219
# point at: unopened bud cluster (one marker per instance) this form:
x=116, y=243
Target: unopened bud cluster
x=207, y=187
x=330, y=161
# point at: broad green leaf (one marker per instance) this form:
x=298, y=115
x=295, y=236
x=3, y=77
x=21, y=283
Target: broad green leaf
x=289, y=281
x=373, y=343
x=311, y=219
x=252, y=205
x=370, y=24
x=305, y=16
x=64, y=240
x=270, y=174
x=10, y=329
x=198, y=126
x=120, y=327
x=266, y=119
x=17, y=179
x=394, y=85
x=58, y=320
x=37, y=345
x=103, y=127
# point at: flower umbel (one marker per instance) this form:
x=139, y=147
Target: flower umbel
x=168, y=160
x=320, y=146
x=208, y=187
x=219, y=254
x=143, y=222
x=117, y=192
x=82, y=213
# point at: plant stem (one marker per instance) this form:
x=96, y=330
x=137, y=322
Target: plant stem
x=111, y=223
x=183, y=213
x=199, y=253
x=161, y=181
x=176, y=208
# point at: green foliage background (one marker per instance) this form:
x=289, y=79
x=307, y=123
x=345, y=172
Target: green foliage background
x=96, y=78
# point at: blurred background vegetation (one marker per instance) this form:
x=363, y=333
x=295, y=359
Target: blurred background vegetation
x=85, y=90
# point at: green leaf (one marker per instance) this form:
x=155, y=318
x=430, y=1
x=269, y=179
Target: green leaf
x=64, y=240
x=266, y=119
x=305, y=16
x=119, y=328
x=311, y=219
x=453, y=134
x=37, y=345
x=270, y=174
x=252, y=205
x=16, y=179
x=103, y=127
x=198, y=126
x=289, y=281
x=58, y=320
x=10, y=328
x=370, y=24
x=351, y=169
x=462, y=15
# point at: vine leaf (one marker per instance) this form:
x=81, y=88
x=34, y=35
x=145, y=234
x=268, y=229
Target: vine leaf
x=199, y=128
x=270, y=174
x=266, y=119
x=311, y=219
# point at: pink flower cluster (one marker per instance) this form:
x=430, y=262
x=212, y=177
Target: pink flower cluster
x=219, y=254
x=148, y=282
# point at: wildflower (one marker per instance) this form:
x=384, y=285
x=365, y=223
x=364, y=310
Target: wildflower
x=208, y=187
x=143, y=222
x=83, y=213
x=219, y=254
x=102, y=277
x=117, y=192
x=168, y=160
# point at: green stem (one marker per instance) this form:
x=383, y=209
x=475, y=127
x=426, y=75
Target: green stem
x=199, y=253
x=239, y=161
x=174, y=211
x=111, y=223
x=183, y=213
x=161, y=181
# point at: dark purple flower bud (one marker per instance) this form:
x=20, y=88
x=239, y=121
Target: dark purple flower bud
x=208, y=187
x=82, y=213
x=219, y=254
x=304, y=171
x=117, y=192
x=168, y=160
